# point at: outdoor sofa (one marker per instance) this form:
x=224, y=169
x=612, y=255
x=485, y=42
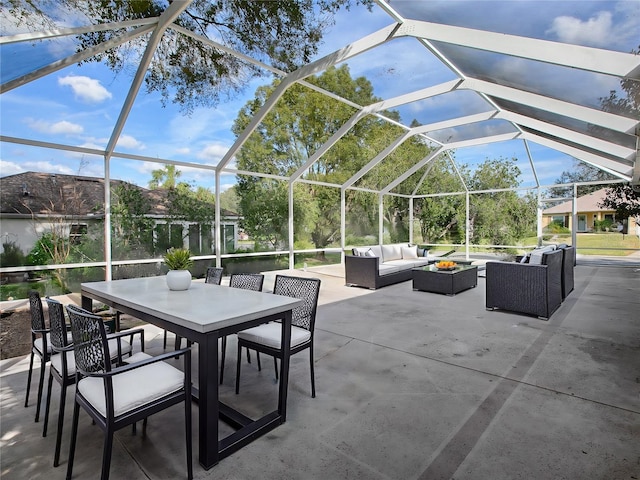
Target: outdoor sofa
x=533, y=287
x=377, y=266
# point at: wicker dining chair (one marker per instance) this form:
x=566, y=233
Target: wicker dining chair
x=246, y=281
x=63, y=366
x=40, y=346
x=266, y=338
x=115, y=397
x=213, y=276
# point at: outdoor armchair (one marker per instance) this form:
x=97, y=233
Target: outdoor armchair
x=533, y=289
x=266, y=338
x=63, y=366
x=40, y=346
x=120, y=396
x=246, y=281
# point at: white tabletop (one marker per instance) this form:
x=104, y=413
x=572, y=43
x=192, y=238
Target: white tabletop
x=202, y=308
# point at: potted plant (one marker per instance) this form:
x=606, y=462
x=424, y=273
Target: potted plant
x=178, y=260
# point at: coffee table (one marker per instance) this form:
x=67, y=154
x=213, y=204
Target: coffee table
x=449, y=282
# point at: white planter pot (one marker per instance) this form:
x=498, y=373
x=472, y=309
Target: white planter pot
x=178, y=279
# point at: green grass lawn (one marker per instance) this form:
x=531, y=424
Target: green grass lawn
x=610, y=244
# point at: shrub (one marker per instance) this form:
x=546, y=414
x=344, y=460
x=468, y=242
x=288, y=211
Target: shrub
x=11, y=256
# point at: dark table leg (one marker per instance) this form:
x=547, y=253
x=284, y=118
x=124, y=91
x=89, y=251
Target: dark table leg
x=284, y=365
x=208, y=401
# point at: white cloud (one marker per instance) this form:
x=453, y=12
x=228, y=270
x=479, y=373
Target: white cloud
x=213, y=152
x=127, y=141
x=596, y=31
x=183, y=151
x=63, y=127
x=85, y=89
x=10, y=168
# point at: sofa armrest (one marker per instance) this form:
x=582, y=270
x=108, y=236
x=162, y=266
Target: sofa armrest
x=361, y=271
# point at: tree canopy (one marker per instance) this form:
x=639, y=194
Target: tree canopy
x=184, y=70
x=299, y=124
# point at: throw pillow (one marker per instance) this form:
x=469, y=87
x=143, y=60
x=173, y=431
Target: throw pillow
x=370, y=253
x=409, y=252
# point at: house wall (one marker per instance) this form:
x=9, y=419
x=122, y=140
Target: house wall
x=23, y=232
x=591, y=218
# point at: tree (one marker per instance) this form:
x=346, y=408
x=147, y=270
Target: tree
x=499, y=218
x=299, y=124
x=183, y=69
x=229, y=200
x=166, y=177
x=130, y=221
x=442, y=216
x=581, y=172
x=624, y=200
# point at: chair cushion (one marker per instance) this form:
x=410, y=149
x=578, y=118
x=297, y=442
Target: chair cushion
x=137, y=357
x=269, y=334
x=133, y=389
x=38, y=342
x=56, y=362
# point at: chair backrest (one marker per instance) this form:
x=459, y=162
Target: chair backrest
x=58, y=332
x=214, y=275
x=37, y=315
x=90, y=345
x=306, y=289
x=247, y=281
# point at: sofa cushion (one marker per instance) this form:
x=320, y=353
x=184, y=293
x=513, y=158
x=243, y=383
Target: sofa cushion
x=385, y=269
x=409, y=252
x=376, y=251
x=391, y=252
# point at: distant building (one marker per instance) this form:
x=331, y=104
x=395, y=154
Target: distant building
x=32, y=202
x=588, y=212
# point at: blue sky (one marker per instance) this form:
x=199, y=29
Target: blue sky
x=79, y=105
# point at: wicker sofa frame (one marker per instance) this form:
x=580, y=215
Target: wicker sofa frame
x=526, y=288
x=364, y=271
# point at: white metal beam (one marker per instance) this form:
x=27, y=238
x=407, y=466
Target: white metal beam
x=377, y=159
x=62, y=32
x=585, y=114
x=575, y=56
x=615, y=168
x=169, y=15
x=360, y=46
x=570, y=135
x=482, y=140
x=412, y=170
x=73, y=59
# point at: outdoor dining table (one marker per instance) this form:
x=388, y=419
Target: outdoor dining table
x=203, y=314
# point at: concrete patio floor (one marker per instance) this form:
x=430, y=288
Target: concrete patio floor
x=410, y=385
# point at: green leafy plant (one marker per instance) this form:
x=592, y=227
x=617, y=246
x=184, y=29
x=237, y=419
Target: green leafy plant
x=178, y=259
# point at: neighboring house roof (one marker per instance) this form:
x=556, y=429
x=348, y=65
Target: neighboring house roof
x=39, y=193
x=586, y=203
